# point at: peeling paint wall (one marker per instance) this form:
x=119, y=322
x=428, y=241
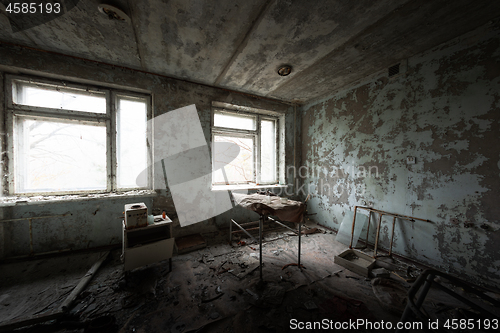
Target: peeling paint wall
x=87, y=224
x=445, y=112
x=84, y=229
x=2, y=148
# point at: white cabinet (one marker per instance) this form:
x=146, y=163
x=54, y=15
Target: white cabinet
x=147, y=245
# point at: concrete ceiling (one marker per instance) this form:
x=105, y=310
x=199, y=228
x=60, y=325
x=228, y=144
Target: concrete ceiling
x=239, y=44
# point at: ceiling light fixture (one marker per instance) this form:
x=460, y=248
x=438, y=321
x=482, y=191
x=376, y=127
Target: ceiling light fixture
x=113, y=13
x=284, y=70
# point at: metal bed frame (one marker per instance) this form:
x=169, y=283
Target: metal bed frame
x=424, y=283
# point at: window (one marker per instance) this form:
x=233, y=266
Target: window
x=257, y=136
x=72, y=139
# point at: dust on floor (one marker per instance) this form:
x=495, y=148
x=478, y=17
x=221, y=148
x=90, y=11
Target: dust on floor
x=217, y=289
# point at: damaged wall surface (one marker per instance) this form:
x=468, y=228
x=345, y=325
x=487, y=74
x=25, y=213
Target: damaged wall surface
x=96, y=221
x=444, y=111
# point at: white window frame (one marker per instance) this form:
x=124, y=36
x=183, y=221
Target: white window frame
x=14, y=110
x=259, y=114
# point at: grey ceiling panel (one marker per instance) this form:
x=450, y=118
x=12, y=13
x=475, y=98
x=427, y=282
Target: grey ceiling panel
x=84, y=32
x=191, y=39
x=7, y=35
x=239, y=44
x=411, y=29
x=300, y=33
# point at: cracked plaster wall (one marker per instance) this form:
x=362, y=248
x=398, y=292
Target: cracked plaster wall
x=444, y=111
x=96, y=222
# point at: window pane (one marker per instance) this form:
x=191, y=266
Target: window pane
x=240, y=170
x=67, y=99
x=59, y=156
x=234, y=121
x=131, y=143
x=268, y=151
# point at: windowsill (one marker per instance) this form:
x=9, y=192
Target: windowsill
x=40, y=199
x=244, y=187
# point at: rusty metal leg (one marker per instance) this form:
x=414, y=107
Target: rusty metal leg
x=392, y=235
x=261, y=222
x=245, y=231
x=353, y=222
x=281, y=224
x=368, y=227
x=378, y=234
x=300, y=233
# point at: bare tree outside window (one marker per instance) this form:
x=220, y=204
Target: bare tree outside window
x=62, y=137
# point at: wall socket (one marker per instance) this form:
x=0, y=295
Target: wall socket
x=411, y=160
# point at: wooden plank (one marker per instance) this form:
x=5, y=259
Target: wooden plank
x=83, y=282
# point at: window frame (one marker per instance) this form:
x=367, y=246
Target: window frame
x=109, y=119
x=255, y=134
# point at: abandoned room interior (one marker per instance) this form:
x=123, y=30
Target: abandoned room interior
x=249, y=166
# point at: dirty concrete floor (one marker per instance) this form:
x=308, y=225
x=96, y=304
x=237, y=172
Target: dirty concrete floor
x=215, y=289
x=33, y=287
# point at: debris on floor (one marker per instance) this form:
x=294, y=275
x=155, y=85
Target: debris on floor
x=190, y=243
x=380, y=273
x=391, y=294
x=216, y=288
